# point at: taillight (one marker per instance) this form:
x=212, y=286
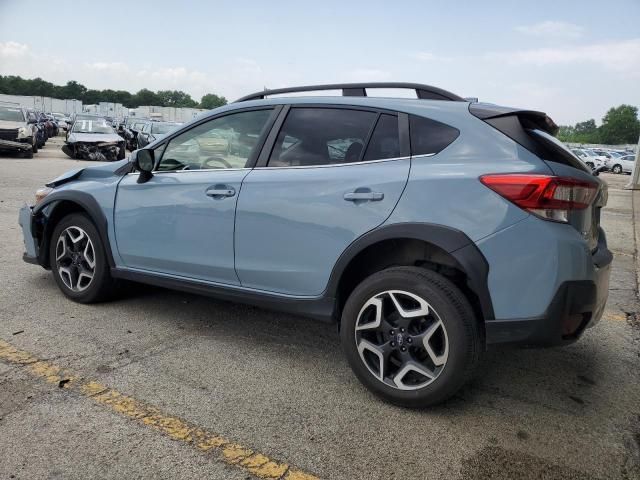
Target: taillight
x=547, y=196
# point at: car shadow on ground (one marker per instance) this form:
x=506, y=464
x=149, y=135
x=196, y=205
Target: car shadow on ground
x=560, y=379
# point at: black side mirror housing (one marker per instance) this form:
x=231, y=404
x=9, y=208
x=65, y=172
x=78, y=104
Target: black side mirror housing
x=144, y=162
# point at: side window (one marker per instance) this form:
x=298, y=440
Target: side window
x=321, y=136
x=429, y=136
x=385, y=141
x=224, y=142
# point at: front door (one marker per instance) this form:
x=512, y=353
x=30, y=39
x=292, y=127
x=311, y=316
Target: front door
x=181, y=221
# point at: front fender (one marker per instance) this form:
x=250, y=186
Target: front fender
x=57, y=204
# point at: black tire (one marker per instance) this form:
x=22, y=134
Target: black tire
x=34, y=145
x=462, y=330
x=102, y=285
x=617, y=169
x=122, y=153
x=28, y=154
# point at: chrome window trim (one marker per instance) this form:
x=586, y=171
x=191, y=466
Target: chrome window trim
x=156, y=172
x=293, y=166
x=336, y=164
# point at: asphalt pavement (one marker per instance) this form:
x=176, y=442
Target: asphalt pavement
x=162, y=384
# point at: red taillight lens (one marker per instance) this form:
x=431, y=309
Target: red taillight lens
x=547, y=196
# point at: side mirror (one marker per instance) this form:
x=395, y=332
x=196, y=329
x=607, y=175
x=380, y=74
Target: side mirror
x=144, y=162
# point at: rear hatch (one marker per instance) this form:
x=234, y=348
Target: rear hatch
x=534, y=131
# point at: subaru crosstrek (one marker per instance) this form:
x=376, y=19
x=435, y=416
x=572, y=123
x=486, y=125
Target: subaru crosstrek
x=427, y=228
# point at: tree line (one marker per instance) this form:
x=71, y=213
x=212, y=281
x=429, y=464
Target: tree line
x=16, y=85
x=619, y=126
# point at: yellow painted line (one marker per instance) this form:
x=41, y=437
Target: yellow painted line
x=255, y=463
x=616, y=317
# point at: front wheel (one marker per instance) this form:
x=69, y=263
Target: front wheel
x=78, y=260
x=410, y=336
x=616, y=169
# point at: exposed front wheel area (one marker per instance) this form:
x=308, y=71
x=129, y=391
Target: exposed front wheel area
x=617, y=169
x=75, y=258
x=401, y=340
x=410, y=336
x=78, y=261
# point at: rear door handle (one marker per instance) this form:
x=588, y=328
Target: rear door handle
x=219, y=191
x=363, y=196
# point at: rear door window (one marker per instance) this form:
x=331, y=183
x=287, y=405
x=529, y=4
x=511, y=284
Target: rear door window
x=322, y=136
x=385, y=141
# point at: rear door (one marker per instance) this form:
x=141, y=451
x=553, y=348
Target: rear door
x=326, y=177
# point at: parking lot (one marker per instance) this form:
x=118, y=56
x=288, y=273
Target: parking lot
x=161, y=384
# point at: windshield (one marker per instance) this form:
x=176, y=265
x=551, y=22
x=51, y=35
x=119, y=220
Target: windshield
x=162, y=127
x=92, y=126
x=11, y=114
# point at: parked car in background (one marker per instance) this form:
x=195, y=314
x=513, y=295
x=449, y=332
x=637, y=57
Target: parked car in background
x=94, y=139
x=398, y=219
x=589, y=158
x=18, y=133
x=41, y=133
x=64, y=122
x=153, y=131
x=623, y=164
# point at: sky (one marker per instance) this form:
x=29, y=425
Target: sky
x=571, y=59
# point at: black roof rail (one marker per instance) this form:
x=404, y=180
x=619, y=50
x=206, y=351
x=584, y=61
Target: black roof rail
x=424, y=92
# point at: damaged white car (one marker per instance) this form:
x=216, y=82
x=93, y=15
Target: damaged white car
x=94, y=139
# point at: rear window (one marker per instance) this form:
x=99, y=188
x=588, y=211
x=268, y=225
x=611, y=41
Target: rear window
x=429, y=136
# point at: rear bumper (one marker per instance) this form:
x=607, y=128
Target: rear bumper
x=576, y=305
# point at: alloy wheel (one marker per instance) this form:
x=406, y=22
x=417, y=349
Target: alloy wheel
x=401, y=339
x=75, y=259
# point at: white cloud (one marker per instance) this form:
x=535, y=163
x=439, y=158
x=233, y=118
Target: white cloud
x=619, y=56
x=108, y=67
x=552, y=28
x=429, y=57
x=13, y=50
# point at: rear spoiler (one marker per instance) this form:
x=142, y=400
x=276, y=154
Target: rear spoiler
x=523, y=127
x=529, y=118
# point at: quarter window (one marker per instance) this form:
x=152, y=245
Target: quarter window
x=224, y=142
x=322, y=136
x=429, y=136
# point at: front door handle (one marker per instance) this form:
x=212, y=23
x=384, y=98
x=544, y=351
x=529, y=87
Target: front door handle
x=363, y=195
x=220, y=191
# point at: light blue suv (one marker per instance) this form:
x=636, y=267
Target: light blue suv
x=426, y=228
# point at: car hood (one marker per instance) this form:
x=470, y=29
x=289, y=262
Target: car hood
x=11, y=124
x=94, y=171
x=94, y=137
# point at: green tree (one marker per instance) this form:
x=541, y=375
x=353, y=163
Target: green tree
x=145, y=97
x=175, y=98
x=211, y=101
x=73, y=90
x=620, y=125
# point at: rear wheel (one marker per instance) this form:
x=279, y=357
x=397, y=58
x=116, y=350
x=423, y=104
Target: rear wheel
x=616, y=169
x=590, y=165
x=78, y=260
x=410, y=336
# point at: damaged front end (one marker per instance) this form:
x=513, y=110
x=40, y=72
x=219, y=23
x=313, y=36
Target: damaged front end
x=95, y=151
